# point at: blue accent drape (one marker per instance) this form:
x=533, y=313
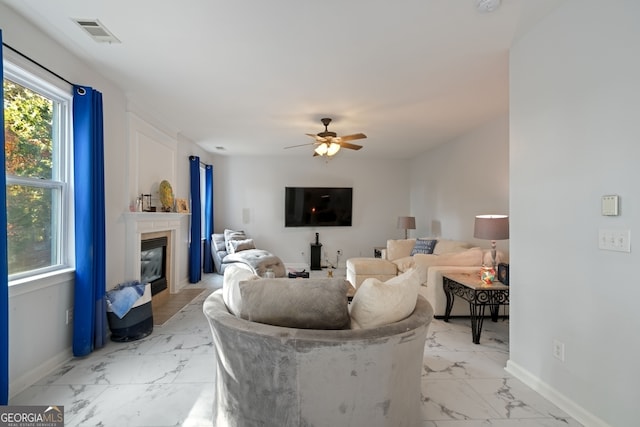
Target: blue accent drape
x=4, y=271
x=208, y=219
x=195, y=244
x=89, y=321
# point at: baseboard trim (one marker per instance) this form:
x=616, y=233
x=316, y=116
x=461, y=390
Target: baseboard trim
x=554, y=396
x=296, y=266
x=466, y=316
x=25, y=381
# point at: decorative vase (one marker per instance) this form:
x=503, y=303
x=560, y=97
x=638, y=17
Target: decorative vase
x=487, y=275
x=166, y=196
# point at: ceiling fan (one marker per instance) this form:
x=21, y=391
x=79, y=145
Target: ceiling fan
x=329, y=143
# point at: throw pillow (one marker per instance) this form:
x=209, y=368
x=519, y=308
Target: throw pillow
x=230, y=235
x=296, y=303
x=233, y=275
x=469, y=257
x=500, y=257
x=397, y=249
x=424, y=246
x=219, y=242
x=241, y=245
x=445, y=246
x=379, y=303
x=404, y=264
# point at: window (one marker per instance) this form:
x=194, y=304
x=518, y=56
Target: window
x=203, y=190
x=37, y=133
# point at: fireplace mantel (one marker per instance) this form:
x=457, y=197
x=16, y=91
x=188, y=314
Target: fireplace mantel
x=139, y=223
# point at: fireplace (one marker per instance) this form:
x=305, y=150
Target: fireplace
x=142, y=226
x=153, y=263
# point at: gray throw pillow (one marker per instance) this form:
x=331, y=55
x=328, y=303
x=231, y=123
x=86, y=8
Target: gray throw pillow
x=296, y=303
x=230, y=235
x=424, y=246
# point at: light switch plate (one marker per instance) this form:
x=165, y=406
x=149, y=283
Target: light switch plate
x=610, y=205
x=614, y=240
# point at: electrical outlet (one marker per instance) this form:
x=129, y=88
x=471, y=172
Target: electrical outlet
x=69, y=315
x=558, y=350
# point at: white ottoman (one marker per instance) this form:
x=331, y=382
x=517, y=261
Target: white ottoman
x=359, y=269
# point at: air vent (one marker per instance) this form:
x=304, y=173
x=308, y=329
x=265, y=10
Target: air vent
x=97, y=30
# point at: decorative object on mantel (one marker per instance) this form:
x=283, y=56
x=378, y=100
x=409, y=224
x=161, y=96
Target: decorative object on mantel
x=165, y=193
x=182, y=206
x=149, y=208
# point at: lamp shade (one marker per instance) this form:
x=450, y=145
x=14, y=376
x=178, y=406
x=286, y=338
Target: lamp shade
x=491, y=227
x=407, y=222
x=321, y=149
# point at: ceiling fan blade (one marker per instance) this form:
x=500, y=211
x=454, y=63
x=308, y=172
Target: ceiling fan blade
x=317, y=137
x=350, y=146
x=300, y=145
x=352, y=137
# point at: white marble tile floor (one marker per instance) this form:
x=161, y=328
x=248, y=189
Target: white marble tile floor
x=167, y=379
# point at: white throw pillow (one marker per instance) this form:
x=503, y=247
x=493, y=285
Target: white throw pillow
x=467, y=257
x=379, y=303
x=241, y=245
x=446, y=246
x=233, y=275
x=233, y=235
x=397, y=249
x=404, y=264
x=500, y=257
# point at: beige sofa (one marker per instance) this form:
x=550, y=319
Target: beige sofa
x=448, y=256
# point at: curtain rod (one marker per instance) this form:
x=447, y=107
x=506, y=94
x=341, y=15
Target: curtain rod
x=37, y=63
x=201, y=162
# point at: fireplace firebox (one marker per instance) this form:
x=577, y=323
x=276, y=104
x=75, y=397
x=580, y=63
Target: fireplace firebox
x=153, y=263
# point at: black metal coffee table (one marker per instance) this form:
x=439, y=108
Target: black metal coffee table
x=479, y=295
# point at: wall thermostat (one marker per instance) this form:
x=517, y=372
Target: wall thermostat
x=610, y=205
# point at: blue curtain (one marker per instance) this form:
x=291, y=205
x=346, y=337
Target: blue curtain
x=195, y=257
x=4, y=272
x=208, y=218
x=89, y=321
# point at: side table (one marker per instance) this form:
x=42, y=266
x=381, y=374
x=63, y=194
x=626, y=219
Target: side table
x=479, y=295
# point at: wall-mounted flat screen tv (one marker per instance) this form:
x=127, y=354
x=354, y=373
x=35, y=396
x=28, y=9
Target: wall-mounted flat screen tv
x=317, y=206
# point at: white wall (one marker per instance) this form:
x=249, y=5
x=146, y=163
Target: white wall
x=255, y=186
x=39, y=338
x=574, y=137
x=456, y=181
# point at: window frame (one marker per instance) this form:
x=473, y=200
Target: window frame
x=23, y=72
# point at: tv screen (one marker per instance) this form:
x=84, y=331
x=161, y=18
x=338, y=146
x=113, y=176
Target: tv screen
x=317, y=207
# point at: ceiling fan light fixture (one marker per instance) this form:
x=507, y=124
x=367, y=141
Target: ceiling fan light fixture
x=321, y=149
x=333, y=149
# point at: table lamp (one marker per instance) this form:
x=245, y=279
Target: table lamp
x=408, y=223
x=491, y=227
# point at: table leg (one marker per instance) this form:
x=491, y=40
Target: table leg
x=495, y=310
x=477, y=317
x=449, y=294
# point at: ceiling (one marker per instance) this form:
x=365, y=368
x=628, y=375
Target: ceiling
x=252, y=77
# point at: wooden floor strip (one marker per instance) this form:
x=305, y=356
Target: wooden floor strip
x=166, y=305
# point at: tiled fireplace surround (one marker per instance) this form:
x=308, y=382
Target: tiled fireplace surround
x=145, y=225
